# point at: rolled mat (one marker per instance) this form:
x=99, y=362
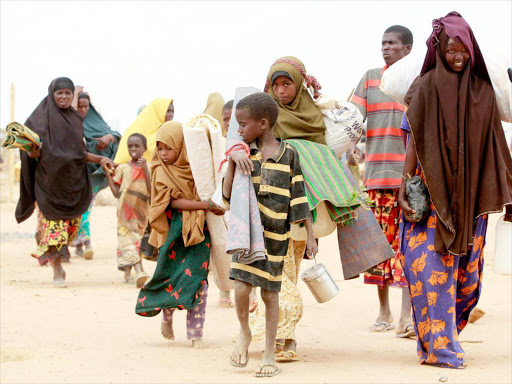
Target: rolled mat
x=21, y=137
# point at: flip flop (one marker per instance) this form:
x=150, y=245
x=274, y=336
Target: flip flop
x=408, y=332
x=276, y=372
x=237, y=365
x=382, y=326
x=88, y=254
x=282, y=357
x=140, y=279
x=225, y=303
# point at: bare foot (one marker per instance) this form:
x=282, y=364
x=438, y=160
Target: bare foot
x=59, y=275
x=166, y=326
x=240, y=356
x=199, y=344
x=128, y=278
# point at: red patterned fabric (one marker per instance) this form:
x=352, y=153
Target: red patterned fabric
x=387, y=212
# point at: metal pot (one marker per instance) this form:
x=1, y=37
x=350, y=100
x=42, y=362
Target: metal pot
x=320, y=283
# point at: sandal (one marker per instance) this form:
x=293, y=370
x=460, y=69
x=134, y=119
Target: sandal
x=382, y=326
x=408, y=332
x=140, y=279
x=88, y=254
x=225, y=303
x=276, y=372
x=287, y=356
x=239, y=365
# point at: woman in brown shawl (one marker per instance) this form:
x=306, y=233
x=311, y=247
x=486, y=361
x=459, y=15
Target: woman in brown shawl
x=55, y=176
x=452, y=117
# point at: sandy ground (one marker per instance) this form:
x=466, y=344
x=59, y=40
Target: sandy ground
x=88, y=333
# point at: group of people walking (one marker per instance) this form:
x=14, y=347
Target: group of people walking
x=448, y=133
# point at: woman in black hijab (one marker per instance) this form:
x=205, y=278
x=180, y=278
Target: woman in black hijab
x=55, y=176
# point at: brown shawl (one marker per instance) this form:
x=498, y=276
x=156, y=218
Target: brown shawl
x=460, y=143
x=59, y=180
x=171, y=182
x=301, y=119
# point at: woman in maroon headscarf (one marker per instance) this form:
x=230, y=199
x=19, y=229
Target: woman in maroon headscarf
x=55, y=176
x=458, y=148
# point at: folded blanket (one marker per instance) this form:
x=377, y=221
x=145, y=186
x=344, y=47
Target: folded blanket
x=205, y=149
x=245, y=236
x=21, y=137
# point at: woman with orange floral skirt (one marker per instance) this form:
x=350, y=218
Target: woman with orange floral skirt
x=458, y=148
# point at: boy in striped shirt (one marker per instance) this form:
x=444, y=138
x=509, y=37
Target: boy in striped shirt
x=385, y=155
x=275, y=170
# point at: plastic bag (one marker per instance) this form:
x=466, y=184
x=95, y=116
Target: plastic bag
x=343, y=123
x=418, y=197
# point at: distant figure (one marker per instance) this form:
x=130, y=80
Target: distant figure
x=227, y=109
x=131, y=184
x=55, y=176
x=385, y=154
x=103, y=141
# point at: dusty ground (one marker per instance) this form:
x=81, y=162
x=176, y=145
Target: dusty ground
x=88, y=333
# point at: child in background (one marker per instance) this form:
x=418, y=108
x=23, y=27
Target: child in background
x=280, y=190
x=131, y=185
x=177, y=218
x=226, y=117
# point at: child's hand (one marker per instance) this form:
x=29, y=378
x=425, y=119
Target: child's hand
x=142, y=162
x=311, y=247
x=215, y=209
x=243, y=163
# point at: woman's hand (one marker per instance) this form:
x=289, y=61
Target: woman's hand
x=243, y=163
x=36, y=153
x=406, y=209
x=353, y=155
x=311, y=247
x=104, y=141
x=108, y=164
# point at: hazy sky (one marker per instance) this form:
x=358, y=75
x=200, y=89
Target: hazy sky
x=127, y=53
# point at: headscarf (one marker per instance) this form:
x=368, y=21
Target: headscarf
x=214, y=106
x=58, y=181
x=96, y=127
x=147, y=124
x=171, y=182
x=301, y=119
x=459, y=138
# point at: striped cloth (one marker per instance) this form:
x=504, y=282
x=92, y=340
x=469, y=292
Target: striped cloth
x=280, y=190
x=326, y=181
x=385, y=150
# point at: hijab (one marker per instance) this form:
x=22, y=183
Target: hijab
x=147, y=123
x=96, y=127
x=214, y=106
x=301, y=119
x=58, y=180
x=171, y=182
x=459, y=138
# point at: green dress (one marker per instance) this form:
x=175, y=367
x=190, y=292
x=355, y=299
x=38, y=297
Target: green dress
x=180, y=273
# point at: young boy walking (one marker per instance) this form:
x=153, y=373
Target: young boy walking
x=275, y=170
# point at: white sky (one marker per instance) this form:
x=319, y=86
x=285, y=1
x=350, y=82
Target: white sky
x=127, y=53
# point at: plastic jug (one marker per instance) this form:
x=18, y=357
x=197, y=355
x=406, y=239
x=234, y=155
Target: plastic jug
x=503, y=248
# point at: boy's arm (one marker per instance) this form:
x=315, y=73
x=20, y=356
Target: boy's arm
x=144, y=164
x=236, y=160
x=311, y=244
x=113, y=186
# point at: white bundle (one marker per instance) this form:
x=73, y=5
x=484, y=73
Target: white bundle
x=397, y=79
x=343, y=124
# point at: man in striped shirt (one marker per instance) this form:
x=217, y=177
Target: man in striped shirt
x=279, y=185
x=385, y=155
